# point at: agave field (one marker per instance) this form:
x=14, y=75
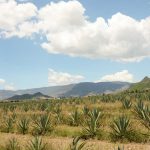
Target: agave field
x=104, y=122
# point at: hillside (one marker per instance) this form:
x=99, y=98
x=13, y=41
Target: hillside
x=142, y=85
x=79, y=89
x=88, y=88
x=29, y=96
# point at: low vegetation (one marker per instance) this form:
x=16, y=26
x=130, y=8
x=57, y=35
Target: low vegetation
x=122, y=117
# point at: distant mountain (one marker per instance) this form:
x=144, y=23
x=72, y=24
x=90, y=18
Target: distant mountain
x=79, y=89
x=29, y=96
x=54, y=91
x=142, y=85
x=89, y=88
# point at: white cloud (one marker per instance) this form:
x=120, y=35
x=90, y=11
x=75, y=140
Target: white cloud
x=68, y=31
x=123, y=76
x=2, y=81
x=9, y=87
x=6, y=86
x=5, y=1
x=23, y=0
x=13, y=16
x=62, y=78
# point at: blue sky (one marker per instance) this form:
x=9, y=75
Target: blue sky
x=24, y=63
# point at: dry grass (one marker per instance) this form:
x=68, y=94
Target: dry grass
x=61, y=143
x=61, y=136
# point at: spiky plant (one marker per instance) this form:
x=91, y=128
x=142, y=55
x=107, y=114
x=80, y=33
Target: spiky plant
x=58, y=113
x=143, y=113
x=77, y=144
x=12, y=145
x=37, y=144
x=23, y=125
x=119, y=148
x=5, y=109
x=12, y=108
x=92, y=124
x=126, y=104
x=26, y=107
x=75, y=117
x=86, y=111
x=8, y=123
x=121, y=127
x=42, y=124
x=43, y=106
x=14, y=116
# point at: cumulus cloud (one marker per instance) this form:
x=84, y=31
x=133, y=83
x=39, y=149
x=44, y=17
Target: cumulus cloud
x=14, y=17
x=2, y=81
x=6, y=86
x=123, y=76
x=9, y=87
x=62, y=78
x=69, y=31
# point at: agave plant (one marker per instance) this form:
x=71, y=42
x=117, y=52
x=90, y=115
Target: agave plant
x=23, y=125
x=42, y=124
x=92, y=124
x=12, y=145
x=12, y=108
x=26, y=107
x=5, y=109
x=76, y=144
x=58, y=111
x=75, y=117
x=14, y=116
x=119, y=148
x=8, y=123
x=143, y=113
x=86, y=111
x=37, y=144
x=126, y=104
x=43, y=106
x=121, y=127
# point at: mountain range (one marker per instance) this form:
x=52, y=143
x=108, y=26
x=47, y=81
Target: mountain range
x=79, y=89
x=29, y=96
x=74, y=90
